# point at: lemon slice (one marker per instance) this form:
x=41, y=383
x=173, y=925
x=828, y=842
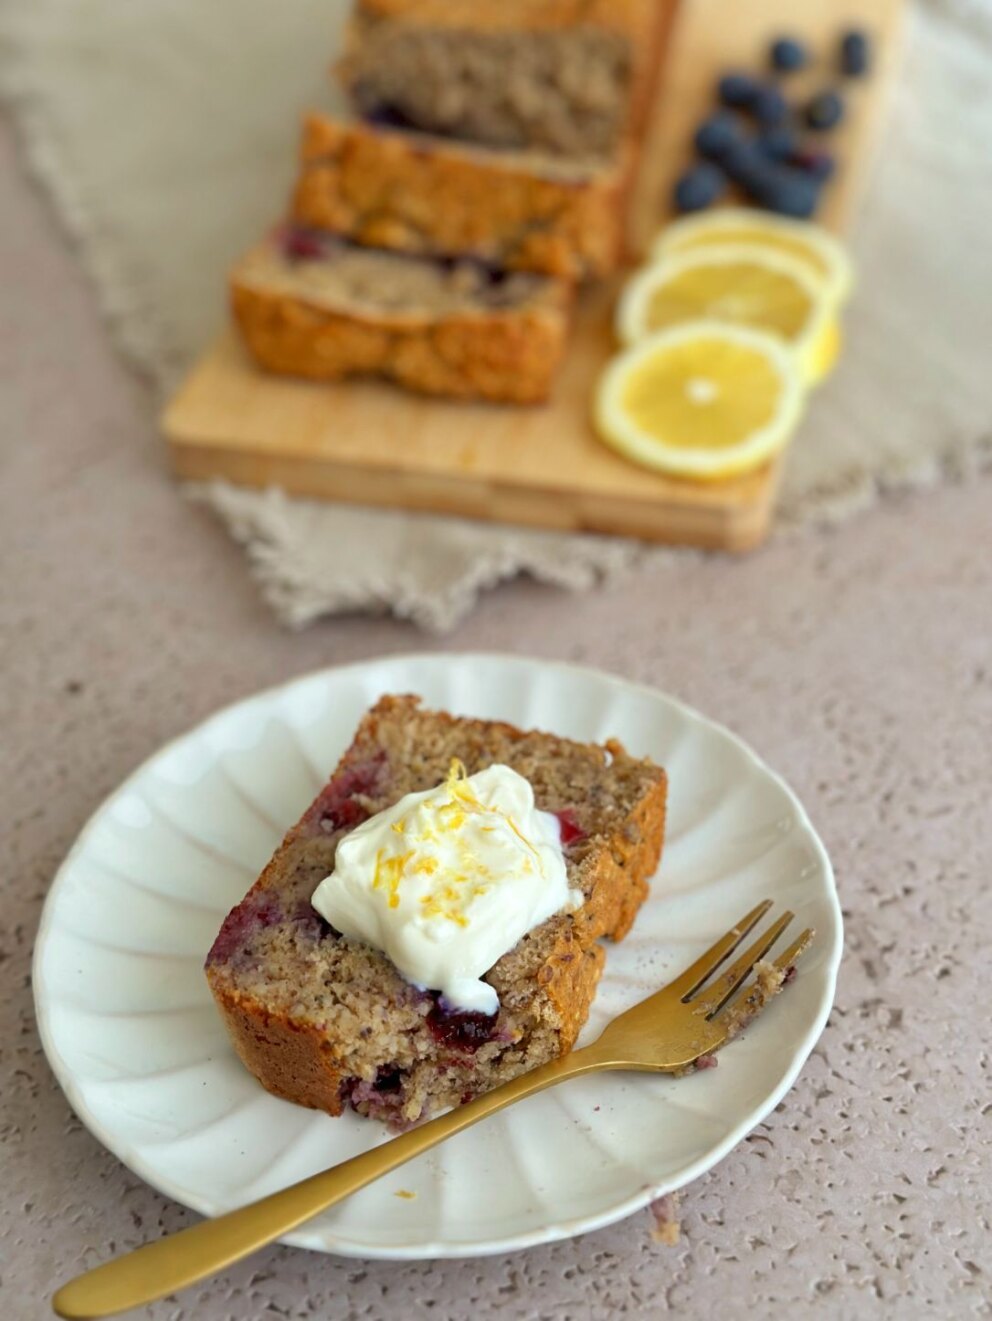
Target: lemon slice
x=813, y=245
x=704, y=401
x=825, y=351
x=738, y=283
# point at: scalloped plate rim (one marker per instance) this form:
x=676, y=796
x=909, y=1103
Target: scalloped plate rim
x=441, y=1248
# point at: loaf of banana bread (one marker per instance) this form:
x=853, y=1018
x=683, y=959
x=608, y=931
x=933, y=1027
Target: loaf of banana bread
x=428, y=195
x=569, y=76
x=329, y=1022
x=309, y=304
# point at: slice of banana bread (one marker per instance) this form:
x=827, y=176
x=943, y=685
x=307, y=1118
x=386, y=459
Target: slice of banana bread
x=427, y=195
x=565, y=76
x=327, y=1022
x=310, y=304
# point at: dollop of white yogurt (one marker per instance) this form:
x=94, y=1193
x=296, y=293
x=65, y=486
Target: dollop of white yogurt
x=446, y=881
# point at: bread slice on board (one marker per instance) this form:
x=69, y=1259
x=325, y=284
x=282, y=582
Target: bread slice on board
x=566, y=76
x=426, y=195
x=310, y=305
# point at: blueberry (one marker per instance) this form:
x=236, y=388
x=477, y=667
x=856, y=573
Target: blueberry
x=785, y=191
x=769, y=106
x=737, y=90
x=717, y=135
x=824, y=111
x=384, y=115
x=819, y=164
x=745, y=162
x=777, y=143
x=699, y=187
x=787, y=54
x=855, y=53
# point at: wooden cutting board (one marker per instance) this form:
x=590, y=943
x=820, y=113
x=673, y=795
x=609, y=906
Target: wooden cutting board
x=370, y=443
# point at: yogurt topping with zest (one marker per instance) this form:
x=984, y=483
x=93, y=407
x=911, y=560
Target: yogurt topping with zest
x=446, y=881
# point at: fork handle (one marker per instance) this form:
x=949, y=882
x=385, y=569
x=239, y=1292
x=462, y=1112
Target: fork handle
x=181, y=1259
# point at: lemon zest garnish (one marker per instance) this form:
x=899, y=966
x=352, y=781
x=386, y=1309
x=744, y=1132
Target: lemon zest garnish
x=444, y=902
x=456, y=890
x=457, y=786
x=523, y=838
x=389, y=873
x=455, y=815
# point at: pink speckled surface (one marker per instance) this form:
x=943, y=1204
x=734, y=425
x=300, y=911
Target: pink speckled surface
x=859, y=662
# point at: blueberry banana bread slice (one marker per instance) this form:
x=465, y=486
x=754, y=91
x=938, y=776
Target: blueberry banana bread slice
x=568, y=76
x=329, y=1022
x=415, y=193
x=310, y=304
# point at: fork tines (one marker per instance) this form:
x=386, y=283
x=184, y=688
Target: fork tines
x=710, y=1000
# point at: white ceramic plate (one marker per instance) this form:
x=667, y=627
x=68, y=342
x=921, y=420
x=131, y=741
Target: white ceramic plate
x=131, y=1032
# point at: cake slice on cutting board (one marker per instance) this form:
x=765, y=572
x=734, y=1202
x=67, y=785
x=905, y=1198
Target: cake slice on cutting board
x=309, y=304
x=427, y=195
x=572, y=77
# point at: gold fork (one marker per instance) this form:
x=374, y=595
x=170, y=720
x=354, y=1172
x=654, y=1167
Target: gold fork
x=668, y=1033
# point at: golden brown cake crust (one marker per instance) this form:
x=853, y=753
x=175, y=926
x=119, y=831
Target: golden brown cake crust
x=288, y=1058
x=501, y=354
x=556, y=968
x=420, y=194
